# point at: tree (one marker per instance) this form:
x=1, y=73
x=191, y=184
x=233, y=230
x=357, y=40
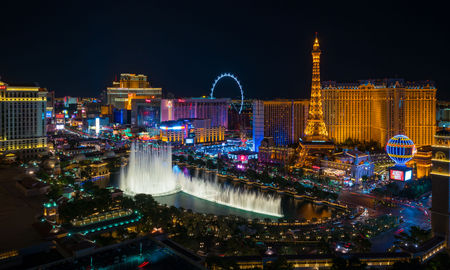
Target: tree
x=300, y=172
x=279, y=264
x=265, y=177
x=440, y=261
x=220, y=164
x=210, y=164
x=181, y=159
x=41, y=174
x=222, y=263
x=114, y=164
x=67, y=180
x=353, y=263
x=414, y=264
x=127, y=203
x=416, y=236
x=103, y=199
x=89, y=186
x=55, y=192
x=363, y=245
x=339, y=264
x=325, y=247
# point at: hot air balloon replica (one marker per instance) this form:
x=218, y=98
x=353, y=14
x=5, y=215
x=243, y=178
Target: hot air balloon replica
x=400, y=149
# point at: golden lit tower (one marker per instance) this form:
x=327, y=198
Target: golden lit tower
x=315, y=126
x=315, y=143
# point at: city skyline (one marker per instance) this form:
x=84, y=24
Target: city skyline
x=273, y=44
x=144, y=135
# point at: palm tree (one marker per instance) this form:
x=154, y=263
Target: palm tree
x=325, y=247
x=279, y=263
x=414, y=264
x=363, y=245
x=416, y=236
x=340, y=263
x=440, y=261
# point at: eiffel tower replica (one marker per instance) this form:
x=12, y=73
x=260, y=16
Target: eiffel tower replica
x=316, y=142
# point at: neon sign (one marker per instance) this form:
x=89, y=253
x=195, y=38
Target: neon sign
x=172, y=128
x=397, y=175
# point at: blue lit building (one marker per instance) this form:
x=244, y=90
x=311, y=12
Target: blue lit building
x=121, y=116
x=283, y=120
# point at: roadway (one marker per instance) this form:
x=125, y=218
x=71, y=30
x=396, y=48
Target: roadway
x=412, y=216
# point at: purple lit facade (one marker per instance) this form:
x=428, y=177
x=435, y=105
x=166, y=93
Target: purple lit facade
x=215, y=109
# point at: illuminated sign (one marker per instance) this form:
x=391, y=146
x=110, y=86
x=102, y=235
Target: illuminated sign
x=59, y=126
x=48, y=114
x=60, y=116
x=2, y=87
x=144, y=137
x=172, y=128
x=189, y=141
x=97, y=125
x=402, y=173
x=408, y=175
x=397, y=175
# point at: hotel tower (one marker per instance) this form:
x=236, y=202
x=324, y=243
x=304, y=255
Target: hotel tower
x=380, y=109
x=22, y=120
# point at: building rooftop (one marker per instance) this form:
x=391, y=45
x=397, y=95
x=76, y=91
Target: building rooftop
x=379, y=83
x=24, y=84
x=242, y=152
x=384, y=255
x=74, y=243
x=355, y=153
x=443, y=133
x=30, y=183
x=47, y=230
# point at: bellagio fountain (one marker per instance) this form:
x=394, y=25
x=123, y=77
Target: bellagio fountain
x=150, y=171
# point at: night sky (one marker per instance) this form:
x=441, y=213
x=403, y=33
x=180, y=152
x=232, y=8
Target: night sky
x=79, y=48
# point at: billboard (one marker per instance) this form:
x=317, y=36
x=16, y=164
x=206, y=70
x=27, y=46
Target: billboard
x=97, y=125
x=408, y=175
x=397, y=175
x=189, y=141
x=400, y=174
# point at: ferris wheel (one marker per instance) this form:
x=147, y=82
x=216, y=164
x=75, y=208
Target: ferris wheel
x=229, y=75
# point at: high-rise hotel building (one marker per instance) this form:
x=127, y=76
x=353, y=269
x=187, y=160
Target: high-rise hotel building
x=440, y=182
x=283, y=120
x=379, y=109
x=22, y=120
x=129, y=87
x=215, y=109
